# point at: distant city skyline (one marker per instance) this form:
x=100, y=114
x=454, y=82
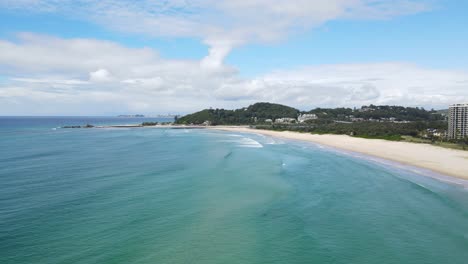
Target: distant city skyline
x=153, y=57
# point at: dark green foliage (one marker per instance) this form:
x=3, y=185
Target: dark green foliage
x=382, y=130
x=386, y=137
x=271, y=111
x=461, y=141
x=332, y=113
x=149, y=123
x=199, y=117
x=243, y=116
x=263, y=111
x=400, y=113
x=382, y=122
x=85, y=126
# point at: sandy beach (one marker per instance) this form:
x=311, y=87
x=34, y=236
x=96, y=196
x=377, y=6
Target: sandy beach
x=441, y=160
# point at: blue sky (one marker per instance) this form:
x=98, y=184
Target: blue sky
x=437, y=38
x=66, y=27
x=70, y=58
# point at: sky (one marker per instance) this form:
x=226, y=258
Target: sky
x=109, y=57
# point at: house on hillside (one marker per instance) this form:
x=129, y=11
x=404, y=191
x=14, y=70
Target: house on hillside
x=285, y=120
x=305, y=117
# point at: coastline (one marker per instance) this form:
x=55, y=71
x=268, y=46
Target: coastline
x=440, y=160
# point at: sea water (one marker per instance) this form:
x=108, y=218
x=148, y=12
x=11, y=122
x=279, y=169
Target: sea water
x=159, y=195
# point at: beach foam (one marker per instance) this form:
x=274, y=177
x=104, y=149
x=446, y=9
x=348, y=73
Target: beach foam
x=249, y=143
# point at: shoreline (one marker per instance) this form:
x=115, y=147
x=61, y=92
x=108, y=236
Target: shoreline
x=444, y=162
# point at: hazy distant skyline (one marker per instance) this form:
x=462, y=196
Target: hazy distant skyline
x=64, y=57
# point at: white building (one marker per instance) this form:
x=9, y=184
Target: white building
x=357, y=119
x=305, y=117
x=458, y=121
x=284, y=120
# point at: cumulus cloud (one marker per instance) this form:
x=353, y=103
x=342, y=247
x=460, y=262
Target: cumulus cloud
x=101, y=75
x=111, y=78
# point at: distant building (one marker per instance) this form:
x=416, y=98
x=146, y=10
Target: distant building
x=207, y=123
x=432, y=132
x=402, y=122
x=285, y=120
x=366, y=109
x=305, y=117
x=357, y=119
x=132, y=116
x=342, y=122
x=268, y=121
x=458, y=121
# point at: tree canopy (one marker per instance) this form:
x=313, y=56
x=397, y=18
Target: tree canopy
x=243, y=116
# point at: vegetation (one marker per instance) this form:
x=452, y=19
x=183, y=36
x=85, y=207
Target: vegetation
x=454, y=144
x=384, y=130
x=259, y=112
x=149, y=123
x=255, y=113
x=85, y=126
x=382, y=112
x=381, y=122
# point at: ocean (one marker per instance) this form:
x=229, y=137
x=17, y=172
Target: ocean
x=160, y=195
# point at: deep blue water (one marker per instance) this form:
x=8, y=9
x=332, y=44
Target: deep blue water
x=158, y=195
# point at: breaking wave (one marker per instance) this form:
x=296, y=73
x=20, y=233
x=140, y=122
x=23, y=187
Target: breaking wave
x=249, y=143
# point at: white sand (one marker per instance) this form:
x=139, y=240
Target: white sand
x=445, y=161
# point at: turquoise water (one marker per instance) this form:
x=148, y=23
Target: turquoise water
x=147, y=195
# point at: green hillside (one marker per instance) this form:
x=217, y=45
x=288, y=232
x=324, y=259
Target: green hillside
x=243, y=116
x=399, y=113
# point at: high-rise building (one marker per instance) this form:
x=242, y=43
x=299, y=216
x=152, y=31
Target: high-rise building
x=458, y=121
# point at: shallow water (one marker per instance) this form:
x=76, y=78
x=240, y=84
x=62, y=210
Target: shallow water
x=199, y=196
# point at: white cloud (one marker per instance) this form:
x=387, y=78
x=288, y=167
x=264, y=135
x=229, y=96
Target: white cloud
x=50, y=81
x=221, y=24
x=85, y=76
x=33, y=53
x=101, y=75
x=53, y=77
x=381, y=83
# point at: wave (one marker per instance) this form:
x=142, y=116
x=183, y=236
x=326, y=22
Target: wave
x=242, y=141
x=274, y=142
x=270, y=140
x=249, y=143
x=233, y=135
